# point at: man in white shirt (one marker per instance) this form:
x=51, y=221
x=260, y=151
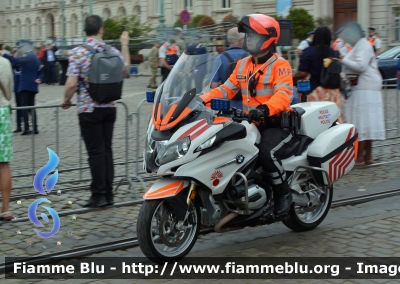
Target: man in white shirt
x=168, y=53
x=374, y=40
x=306, y=43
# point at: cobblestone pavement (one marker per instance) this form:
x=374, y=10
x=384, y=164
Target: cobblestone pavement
x=94, y=227
x=366, y=230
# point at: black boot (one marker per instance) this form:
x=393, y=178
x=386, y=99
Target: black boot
x=96, y=201
x=283, y=199
x=110, y=199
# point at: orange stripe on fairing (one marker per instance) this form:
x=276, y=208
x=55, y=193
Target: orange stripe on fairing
x=219, y=120
x=168, y=115
x=157, y=121
x=184, y=113
x=171, y=189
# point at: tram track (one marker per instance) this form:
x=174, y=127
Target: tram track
x=70, y=189
x=338, y=203
x=133, y=242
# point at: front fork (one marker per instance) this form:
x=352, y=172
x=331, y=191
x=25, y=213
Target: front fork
x=190, y=198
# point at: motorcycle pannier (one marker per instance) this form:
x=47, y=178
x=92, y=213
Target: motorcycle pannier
x=335, y=151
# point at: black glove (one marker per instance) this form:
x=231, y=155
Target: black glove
x=237, y=112
x=258, y=114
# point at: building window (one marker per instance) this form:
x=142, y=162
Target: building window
x=157, y=7
x=396, y=23
x=122, y=12
x=38, y=28
x=107, y=14
x=20, y=2
x=74, y=26
x=226, y=4
x=187, y=5
x=19, y=29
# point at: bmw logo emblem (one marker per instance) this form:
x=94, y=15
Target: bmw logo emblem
x=239, y=159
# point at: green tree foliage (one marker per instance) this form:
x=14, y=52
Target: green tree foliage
x=112, y=27
x=178, y=24
x=195, y=20
x=303, y=22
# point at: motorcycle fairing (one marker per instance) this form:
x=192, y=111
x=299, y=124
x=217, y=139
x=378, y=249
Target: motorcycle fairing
x=165, y=187
x=216, y=168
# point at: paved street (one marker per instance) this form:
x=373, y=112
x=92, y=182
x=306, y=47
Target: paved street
x=366, y=230
x=116, y=223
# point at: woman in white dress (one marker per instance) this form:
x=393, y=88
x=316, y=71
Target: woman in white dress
x=364, y=108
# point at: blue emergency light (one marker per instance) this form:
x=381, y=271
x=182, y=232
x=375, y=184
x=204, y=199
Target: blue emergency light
x=150, y=96
x=220, y=104
x=303, y=86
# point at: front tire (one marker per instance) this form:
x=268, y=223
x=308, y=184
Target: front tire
x=158, y=237
x=305, y=219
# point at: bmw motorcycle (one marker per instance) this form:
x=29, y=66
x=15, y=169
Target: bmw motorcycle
x=207, y=164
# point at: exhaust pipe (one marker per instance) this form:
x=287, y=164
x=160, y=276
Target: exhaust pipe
x=225, y=220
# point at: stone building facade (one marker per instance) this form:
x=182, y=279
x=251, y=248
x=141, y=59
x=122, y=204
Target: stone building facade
x=41, y=19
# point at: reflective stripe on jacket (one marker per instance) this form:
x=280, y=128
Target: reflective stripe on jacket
x=274, y=87
x=170, y=49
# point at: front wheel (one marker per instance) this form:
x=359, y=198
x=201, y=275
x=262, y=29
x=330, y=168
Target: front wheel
x=305, y=219
x=159, y=235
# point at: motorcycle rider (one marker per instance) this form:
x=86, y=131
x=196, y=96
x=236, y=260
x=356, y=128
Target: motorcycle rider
x=265, y=80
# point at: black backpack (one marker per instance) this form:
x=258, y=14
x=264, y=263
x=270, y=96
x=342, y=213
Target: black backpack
x=231, y=67
x=106, y=75
x=330, y=77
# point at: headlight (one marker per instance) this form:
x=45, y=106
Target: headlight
x=206, y=144
x=170, y=152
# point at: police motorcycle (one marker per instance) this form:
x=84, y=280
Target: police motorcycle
x=207, y=164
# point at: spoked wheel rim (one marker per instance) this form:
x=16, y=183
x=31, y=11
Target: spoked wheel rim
x=167, y=239
x=313, y=214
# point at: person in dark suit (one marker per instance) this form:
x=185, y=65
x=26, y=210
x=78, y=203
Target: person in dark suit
x=29, y=80
x=17, y=75
x=196, y=47
x=49, y=61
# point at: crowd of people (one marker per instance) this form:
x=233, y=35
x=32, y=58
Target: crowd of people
x=357, y=56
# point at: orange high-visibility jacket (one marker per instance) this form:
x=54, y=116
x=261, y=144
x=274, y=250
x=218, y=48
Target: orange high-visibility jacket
x=170, y=49
x=348, y=47
x=371, y=40
x=335, y=43
x=274, y=87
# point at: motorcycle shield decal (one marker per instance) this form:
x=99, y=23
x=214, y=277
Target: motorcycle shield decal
x=215, y=177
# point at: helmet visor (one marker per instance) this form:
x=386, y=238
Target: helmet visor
x=254, y=41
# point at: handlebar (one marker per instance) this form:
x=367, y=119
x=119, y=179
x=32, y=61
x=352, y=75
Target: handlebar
x=239, y=115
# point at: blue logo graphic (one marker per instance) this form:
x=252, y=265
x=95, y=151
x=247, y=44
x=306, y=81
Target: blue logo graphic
x=38, y=185
x=44, y=171
x=35, y=220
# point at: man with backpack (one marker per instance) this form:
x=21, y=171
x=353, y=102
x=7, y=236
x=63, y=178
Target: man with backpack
x=228, y=61
x=95, y=73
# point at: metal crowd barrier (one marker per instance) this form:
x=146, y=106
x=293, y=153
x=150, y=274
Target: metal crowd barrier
x=391, y=106
x=81, y=168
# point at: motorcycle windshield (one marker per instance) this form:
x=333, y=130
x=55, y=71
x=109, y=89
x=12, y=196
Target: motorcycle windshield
x=179, y=95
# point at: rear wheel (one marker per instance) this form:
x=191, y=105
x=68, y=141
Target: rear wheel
x=160, y=237
x=307, y=218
